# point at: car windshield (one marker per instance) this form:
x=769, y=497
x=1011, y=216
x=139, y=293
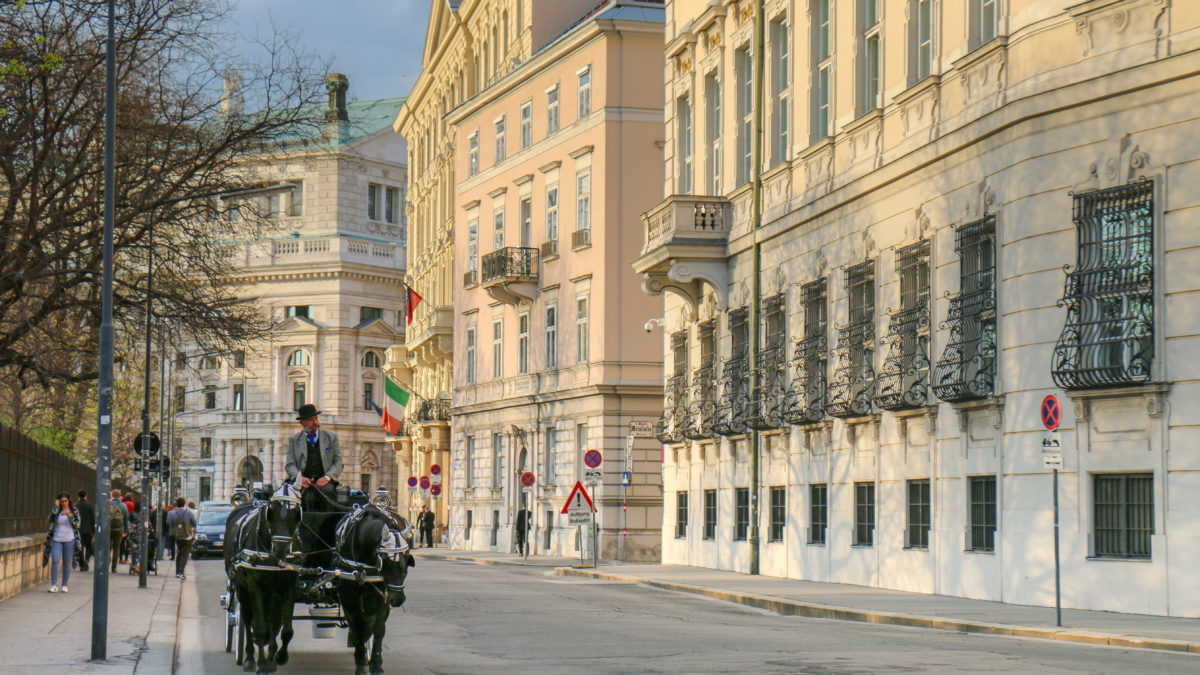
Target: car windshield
x=213, y=517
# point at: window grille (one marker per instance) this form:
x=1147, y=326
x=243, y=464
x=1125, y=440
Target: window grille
x=702, y=403
x=805, y=401
x=766, y=401
x=681, y=515
x=904, y=378
x=967, y=368
x=674, y=416
x=778, y=514
x=710, y=514
x=818, y=512
x=1124, y=507
x=1108, y=338
x=864, y=514
x=735, y=380
x=741, y=524
x=983, y=513
x=853, y=380
x=919, y=514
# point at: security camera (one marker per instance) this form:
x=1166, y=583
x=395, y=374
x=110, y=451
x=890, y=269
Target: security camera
x=649, y=325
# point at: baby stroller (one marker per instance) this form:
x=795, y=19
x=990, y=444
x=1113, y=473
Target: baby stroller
x=151, y=554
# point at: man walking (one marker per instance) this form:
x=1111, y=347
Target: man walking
x=116, y=527
x=523, y=523
x=87, y=528
x=314, y=459
x=182, y=523
x=425, y=522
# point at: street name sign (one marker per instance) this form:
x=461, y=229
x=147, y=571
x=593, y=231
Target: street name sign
x=641, y=429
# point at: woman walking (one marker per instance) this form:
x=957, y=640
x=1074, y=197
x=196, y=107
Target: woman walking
x=62, y=541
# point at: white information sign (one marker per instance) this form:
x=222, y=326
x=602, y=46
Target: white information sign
x=436, y=479
x=593, y=476
x=1051, y=452
x=641, y=429
x=579, y=518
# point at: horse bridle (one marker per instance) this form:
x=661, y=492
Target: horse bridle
x=292, y=498
x=399, y=547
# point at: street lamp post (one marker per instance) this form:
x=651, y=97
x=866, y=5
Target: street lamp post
x=146, y=449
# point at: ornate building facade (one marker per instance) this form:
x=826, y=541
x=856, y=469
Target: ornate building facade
x=966, y=206
x=328, y=269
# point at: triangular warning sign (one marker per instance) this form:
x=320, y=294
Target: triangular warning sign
x=579, y=501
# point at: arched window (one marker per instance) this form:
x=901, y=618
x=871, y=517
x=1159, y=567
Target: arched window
x=371, y=360
x=298, y=358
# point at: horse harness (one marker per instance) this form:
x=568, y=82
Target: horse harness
x=264, y=560
x=394, y=547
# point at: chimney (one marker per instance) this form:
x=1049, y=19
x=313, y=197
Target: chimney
x=231, y=92
x=336, y=84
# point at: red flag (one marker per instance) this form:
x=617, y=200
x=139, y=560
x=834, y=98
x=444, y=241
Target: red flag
x=412, y=302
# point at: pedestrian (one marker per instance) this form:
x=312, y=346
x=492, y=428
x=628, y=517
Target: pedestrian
x=183, y=526
x=125, y=543
x=314, y=459
x=425, y=523
x=62, y=541
x=87, y=528
x=116, y=526
x=167, y=530
x=524, y=520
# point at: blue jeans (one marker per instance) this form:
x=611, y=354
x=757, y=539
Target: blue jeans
x=61, y=552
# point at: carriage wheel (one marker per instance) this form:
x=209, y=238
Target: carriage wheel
x=240, y=637
x=231, y=621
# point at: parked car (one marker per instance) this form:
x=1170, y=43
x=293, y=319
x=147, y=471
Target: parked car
x=210, y=528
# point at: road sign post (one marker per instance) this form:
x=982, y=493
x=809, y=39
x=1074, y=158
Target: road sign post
x=580, y=510
x=1052, y=455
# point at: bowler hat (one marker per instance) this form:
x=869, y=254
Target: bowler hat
x=306, y=411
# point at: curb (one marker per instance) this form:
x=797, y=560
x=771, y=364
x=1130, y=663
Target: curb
x=819, y=611
x=158, y=654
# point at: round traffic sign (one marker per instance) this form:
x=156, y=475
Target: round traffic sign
x=593, y=458
x=527, y=479
x=436, y=491
x=412, y=481
x=436, y=469
x=1051, y=412
x=424, y=482
x=146, y=443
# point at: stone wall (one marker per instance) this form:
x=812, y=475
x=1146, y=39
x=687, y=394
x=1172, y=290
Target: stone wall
x=21, y=564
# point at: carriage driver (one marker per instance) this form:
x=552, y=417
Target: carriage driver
x=314, y=457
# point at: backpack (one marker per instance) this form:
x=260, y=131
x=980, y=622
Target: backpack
x=116, y=516
x=181, y=530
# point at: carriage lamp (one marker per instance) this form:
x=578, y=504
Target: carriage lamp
x=382, y=499
x=240, y=495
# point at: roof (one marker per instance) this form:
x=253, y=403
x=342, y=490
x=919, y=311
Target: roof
x=366, y=118
x=649, y=11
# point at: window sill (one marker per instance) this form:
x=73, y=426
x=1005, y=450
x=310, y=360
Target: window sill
x=980, y=551
x=1105, y=558
x=919, y=549
x=816, y=543
x=917, y=88
x=862, y=545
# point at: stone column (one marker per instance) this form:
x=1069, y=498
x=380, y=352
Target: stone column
x=222, y=488
x=272, y=463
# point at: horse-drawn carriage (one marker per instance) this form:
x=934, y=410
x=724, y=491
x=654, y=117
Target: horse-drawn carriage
x=342, y=557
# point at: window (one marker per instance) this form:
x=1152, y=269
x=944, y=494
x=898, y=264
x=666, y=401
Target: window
x=274, y=206
x=818, y=512
x=968, y=364
x=551, y=469
x=582, y=334
x=298, y=358
x=371, y=359
x=864, y=514
x=470, y=355
x=391, y=205
x=473, y=245
x=296, y=199
x=368, y=396
x=552, y=213
x=499, y=140
x=985, y=21
x=180, y=398
x=868, y=66
x=239, y=358
x=808, y=405
x=498, y=349
x=743, y=70
x=741, y=514
x=581, y=438
x=205, y=488
x=180, y=360
x=772, y=363
x=469, y=462
x=585, y=92
x=712, y=129
x=206, y=448
x=983, y=513
x=583, y=201
x=497, y=459
x=920, y=39
x=526, y=124
x=498, y=229
x=850, y=391
x=523, y=343
x=552, y=110
x=210, y=398
x=239, y=397
x=298, y=396
x=525, y=211
x=681, y=514
x=822, y=76
x=683, y=145
x=365, y=480
x=372, y=201
x=1108, y=338
x=209, y=362
x=781, y=83
x=919, y=515
x=1125, y=514
x=551, y=336
x=778, y=514
x=710, y=514
x=467, y=528
x=300, y=310
x=903, y=381
x=369, y=313
x=473, y=154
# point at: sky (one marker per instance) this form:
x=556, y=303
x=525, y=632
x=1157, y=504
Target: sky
x=376, y=43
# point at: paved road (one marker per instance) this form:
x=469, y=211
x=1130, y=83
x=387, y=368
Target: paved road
x=466, y=618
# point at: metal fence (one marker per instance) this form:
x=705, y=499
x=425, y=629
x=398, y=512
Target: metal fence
x=33, y=476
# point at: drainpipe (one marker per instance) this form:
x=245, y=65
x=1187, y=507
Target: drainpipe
x=755, y=223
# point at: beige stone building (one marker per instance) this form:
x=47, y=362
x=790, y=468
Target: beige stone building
x=552, y=358
x=328, y=268
x=967, y=206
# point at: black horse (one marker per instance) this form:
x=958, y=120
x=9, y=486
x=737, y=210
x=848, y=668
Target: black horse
x=373, y=544
x=259, y=540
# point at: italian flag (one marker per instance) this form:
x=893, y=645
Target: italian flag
x=394, y=402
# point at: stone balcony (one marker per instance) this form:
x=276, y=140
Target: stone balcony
x=432, y=327
x=510, y=274
x=314, y=251
x=685, y=247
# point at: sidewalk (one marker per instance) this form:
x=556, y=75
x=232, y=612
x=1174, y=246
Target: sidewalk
x=874, y=605
x=52, y=632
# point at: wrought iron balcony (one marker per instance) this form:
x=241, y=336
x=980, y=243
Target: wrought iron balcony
x=805, y=401
x=549, y=249
x=671, y=424
x=850, y=390
x=967, y=368
x=702, y=404
x=735, y=397
x=766, y=401
x=688, y=219
x=510, y=274
x=581, y=238
x=903, y=381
